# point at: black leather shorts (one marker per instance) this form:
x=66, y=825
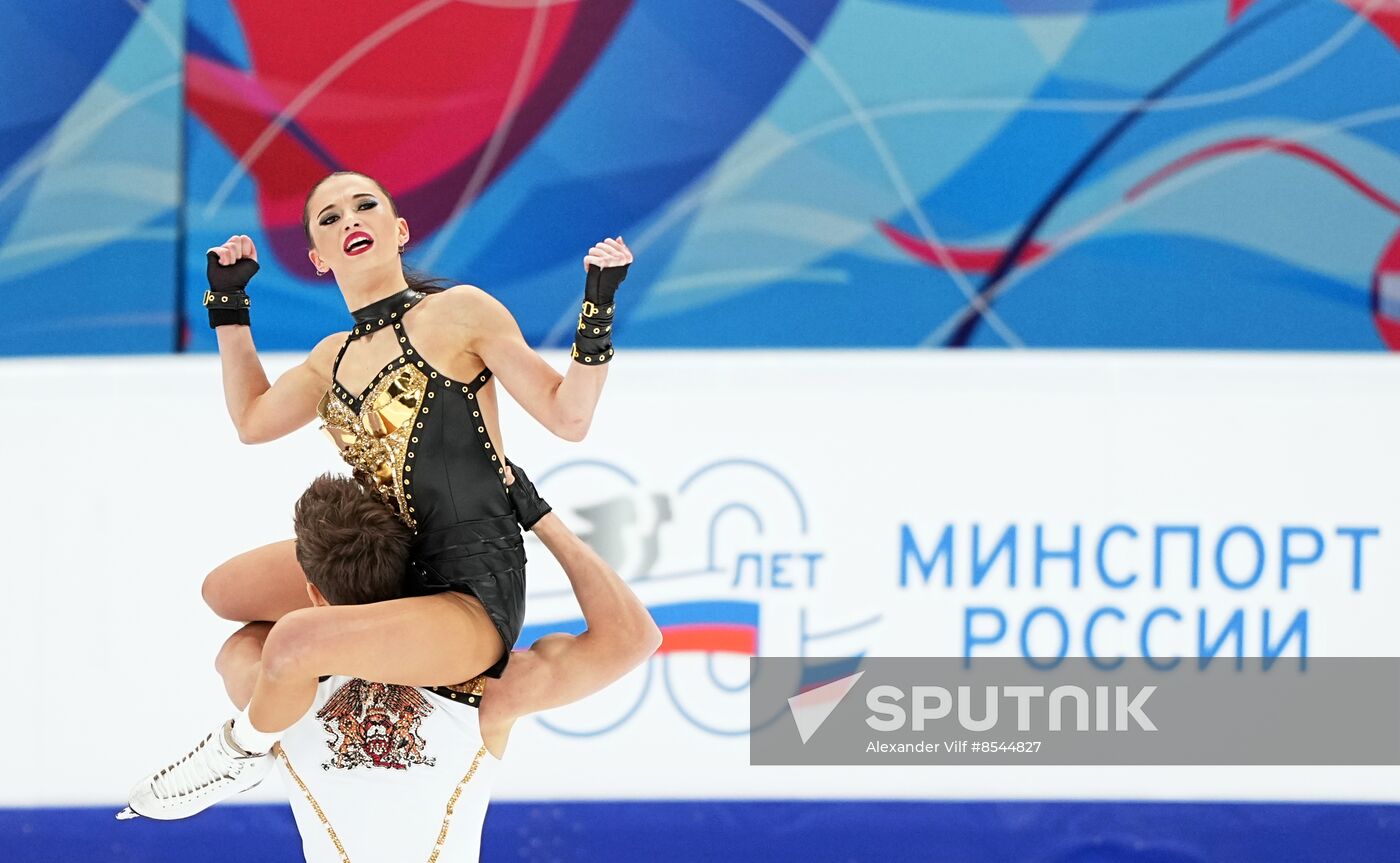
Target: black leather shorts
x=483, y=558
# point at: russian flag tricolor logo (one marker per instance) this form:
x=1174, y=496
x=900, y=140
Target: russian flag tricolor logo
x=719, y=626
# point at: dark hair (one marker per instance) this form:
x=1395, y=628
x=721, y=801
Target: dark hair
x=349, y=542
x=416, y=280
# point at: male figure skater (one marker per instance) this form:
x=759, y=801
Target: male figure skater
x=384, y=772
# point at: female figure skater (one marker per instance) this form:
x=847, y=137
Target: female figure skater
x=408, y=397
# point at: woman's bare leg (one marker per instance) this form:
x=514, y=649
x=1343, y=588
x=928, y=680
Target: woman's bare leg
x=263, y=584
x=434, y=640
x=240, y=660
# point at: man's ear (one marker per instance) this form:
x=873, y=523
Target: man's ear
x=318, y=599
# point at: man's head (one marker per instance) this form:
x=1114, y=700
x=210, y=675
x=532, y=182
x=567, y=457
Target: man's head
x=351, y=546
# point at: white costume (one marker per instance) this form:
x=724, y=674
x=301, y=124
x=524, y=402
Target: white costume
x=389, y=774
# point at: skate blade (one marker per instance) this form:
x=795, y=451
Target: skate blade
x=127, y=814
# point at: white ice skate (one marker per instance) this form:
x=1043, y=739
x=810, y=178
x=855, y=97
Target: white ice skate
x=216, y=769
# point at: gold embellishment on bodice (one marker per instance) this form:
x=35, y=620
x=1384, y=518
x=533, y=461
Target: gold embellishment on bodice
x=376, y=441
x=475, y=686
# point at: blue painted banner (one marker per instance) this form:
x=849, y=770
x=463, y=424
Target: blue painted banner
x=89, y=176
x=1127, y=174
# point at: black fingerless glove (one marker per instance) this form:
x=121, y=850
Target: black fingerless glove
x=593, y=339
x=227, y=297
x=525, y=498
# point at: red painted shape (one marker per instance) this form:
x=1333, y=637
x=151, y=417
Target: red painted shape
x=1287, y=148
x=1384, y=15
x=411, y=99
x=966, y=259
x=709, y=638
x=1237, y=8
x=1387, y=268
x=238, y=109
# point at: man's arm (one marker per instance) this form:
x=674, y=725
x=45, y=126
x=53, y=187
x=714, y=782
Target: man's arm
x=560, y=668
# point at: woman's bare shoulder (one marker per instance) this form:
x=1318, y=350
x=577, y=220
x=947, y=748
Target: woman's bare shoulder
x=331, y=342
x=466, y=304
x=322, y=357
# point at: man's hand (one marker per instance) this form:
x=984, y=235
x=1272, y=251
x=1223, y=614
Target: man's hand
x=524, y=497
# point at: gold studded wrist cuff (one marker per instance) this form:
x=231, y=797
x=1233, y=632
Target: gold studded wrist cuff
x=226, y=300
x=593, y=357
x=227, y=307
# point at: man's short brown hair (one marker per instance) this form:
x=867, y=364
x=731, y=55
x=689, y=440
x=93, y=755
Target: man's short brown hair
x=349, y=543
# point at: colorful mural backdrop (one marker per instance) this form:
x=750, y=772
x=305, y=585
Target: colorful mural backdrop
x=89, y=175
x=1218, y=174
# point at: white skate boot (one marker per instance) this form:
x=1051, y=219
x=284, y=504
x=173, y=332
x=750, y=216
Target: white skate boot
x=216, y=769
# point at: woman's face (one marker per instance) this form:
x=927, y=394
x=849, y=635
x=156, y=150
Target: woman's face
x=352, y=226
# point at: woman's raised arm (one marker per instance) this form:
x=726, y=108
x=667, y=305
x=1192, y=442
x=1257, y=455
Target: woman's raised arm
x=260, y=411
x=565, y=403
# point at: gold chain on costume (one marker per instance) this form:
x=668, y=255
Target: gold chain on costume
x=330, y=831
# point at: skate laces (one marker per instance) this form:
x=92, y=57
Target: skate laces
x=207, y=763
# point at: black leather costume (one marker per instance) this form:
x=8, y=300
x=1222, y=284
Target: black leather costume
x=418, y=437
